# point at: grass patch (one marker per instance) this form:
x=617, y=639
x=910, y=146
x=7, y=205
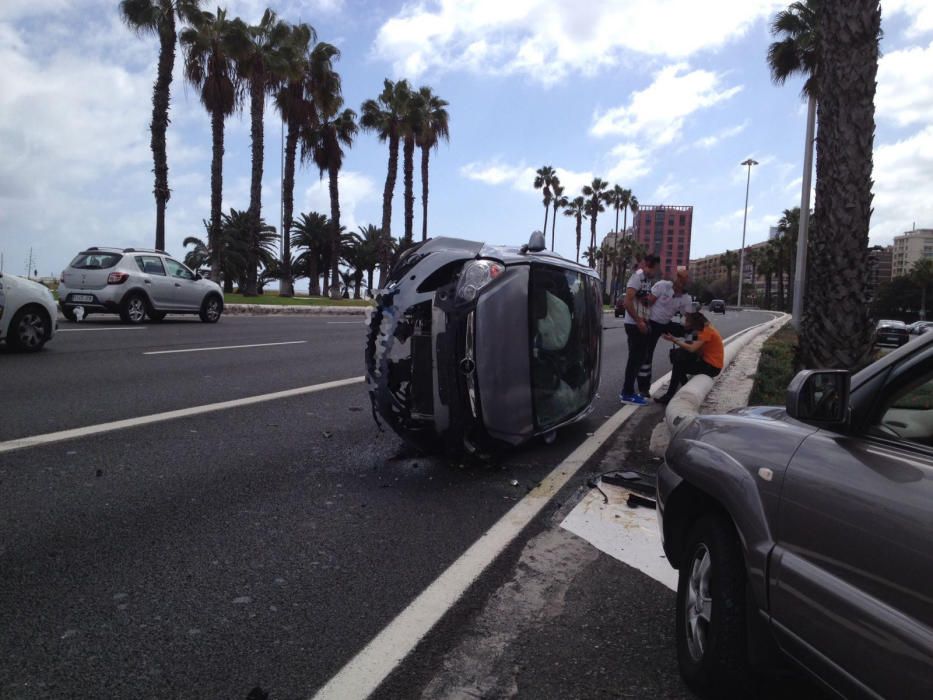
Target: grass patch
x=776, y=367
x=276, y=300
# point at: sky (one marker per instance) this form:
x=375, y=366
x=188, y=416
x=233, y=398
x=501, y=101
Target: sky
x=664, y=97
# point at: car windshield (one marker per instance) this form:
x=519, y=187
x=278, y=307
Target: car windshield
x=565, y=328
x=92, y=260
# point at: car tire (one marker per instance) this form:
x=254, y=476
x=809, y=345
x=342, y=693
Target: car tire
x=30, y=329
x=211, y=309
x=156, y=316
x=133, y=308
x=711, y=628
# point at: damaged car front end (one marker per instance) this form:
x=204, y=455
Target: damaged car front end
x=476, y=347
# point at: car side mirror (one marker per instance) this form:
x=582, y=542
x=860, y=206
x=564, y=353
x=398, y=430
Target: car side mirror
x=819, y=397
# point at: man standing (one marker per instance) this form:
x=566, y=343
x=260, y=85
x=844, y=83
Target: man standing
x=671, y=298
x=638, y=301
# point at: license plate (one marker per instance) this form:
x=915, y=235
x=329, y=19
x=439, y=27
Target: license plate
x=82, y=297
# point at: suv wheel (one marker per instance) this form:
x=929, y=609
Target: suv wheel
x=711, y=631
x=29, y=329
x=211, y=309
x=133, y=308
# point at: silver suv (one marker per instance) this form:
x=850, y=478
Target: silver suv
x=135, y=283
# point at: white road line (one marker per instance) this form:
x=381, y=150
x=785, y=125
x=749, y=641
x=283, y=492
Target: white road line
x=225, y=347
x=338, y=323
x=102, y=328
x=47, y=438
x=366, y=671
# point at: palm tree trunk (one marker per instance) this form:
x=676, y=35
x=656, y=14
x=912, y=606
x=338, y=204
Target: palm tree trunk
x=217, y=186
x=544, y=232
x=837, y=329
x=333, y=173
x=579, y=235
x=593, y=240
x=780, y=281
x=553, y=225
x=257, y=105
x=409, y=175
x=288, y=205
x=160, y=103
x=425, y=155
x=369, y=280
x=387, y=194
x=314, y=285
x=768, y=290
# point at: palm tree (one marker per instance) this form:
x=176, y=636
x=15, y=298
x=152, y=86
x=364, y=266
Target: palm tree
x=209, y=46
x=596, y=192
x=248, y=243
x=729, y=260
x=384, y=117
x=753, y=257
x=577, y=209
x=413, y=123
x=434, y=127
x=839, y=334
x=560, y=202
x=266, y=59
x=294, y=100
x=544, y=180
x=311, y=232
x=766, y=266
x=369, y=244
x=200, y=253
x=324, y=142
x=158, y=17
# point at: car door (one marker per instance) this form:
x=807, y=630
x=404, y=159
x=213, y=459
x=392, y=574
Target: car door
x=158, y=286
x=852, y=571
x=188, y=293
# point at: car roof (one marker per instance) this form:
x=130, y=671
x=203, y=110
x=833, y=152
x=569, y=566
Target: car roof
x=510, y=255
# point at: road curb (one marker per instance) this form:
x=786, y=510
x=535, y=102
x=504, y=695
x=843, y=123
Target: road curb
x=273, y=309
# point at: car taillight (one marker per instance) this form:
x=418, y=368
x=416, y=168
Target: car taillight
x=117, y=277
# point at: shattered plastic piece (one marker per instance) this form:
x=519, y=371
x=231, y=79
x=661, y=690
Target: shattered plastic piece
x=514, y=482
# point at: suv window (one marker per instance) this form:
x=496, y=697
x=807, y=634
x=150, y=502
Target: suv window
x=565, y=330
x=906, y=411
x=95, y=261
x=176, y=269
x=150, y=264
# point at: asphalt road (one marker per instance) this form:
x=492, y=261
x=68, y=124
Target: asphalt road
x=258, y=546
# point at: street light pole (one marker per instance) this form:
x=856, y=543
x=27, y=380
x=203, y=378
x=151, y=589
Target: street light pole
x=748, y=183
x=800, y=268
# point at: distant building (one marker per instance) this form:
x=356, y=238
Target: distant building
x=879, y=267
x=665, y=230
x=909, y=248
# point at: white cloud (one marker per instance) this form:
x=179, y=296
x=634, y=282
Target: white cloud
x=666, y=190
x=548, y=40
x=902, y=174
x=919, y=11
x=357, y=191
x=521, y=177
x=905, y=86
x=656, y=114
x=630, y=162
x=712, y=140
x=493, y=173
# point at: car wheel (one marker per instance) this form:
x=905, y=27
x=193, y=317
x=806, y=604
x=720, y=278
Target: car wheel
x=156, y=316
x=211, y=309
x=711, y=631
x=29, y=329
x=133, y=308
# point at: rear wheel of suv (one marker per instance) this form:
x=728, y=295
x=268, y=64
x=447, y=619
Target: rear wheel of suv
x=29, y=329
x=211, y=309
x=711, y=632
x=133, y=308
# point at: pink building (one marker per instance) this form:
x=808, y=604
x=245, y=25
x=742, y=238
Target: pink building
x=665, y=231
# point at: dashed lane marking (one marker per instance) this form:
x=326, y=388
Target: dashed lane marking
x=224, y=347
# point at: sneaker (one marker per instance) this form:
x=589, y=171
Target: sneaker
x=634, y=399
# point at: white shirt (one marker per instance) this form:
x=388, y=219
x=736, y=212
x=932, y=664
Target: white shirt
x=668, y=302
x=638, y=281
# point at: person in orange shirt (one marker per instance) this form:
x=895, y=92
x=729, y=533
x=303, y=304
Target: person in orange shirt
x=705, y=355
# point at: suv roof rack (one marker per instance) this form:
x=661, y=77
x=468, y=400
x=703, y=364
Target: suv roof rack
x=144, y=250
x=103, y=248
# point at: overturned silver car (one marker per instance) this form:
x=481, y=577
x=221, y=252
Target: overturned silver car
x=476, y=347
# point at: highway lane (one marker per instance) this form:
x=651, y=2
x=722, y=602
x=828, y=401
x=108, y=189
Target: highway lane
x=262, y=545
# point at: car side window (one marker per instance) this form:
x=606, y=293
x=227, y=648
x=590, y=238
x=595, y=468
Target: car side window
x=150, y=264
x=906, y=411
x=176, y=269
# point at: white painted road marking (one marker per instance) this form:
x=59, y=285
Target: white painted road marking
x=102, y=328
x=337, y=323
x=48, y=438
x=366, y=671
x=225, y=347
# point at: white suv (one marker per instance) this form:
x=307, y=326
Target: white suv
x=135, y=283
x=28, y=317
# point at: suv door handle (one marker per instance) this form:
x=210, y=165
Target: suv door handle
x=177, y=284
x=147, y=281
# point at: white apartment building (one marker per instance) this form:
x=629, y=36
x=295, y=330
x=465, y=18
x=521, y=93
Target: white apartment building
x=909, y=248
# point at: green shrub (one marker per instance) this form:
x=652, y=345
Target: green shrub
x=776, y=367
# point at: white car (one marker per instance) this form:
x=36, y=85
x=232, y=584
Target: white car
x=28, y=313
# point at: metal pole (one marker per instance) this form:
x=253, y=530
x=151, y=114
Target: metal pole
x=800, y=269
x=748, y=183
x=282, y=203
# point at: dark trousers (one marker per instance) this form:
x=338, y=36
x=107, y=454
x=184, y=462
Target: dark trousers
x=688, y=364
x=638, y=344
x=654, y=335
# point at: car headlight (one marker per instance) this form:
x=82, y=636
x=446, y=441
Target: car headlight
x=475, y=275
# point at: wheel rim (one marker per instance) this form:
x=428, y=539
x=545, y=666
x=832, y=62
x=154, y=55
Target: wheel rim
x=213, y=310
x=31, y=330
x=136, y=310
x=698, y=603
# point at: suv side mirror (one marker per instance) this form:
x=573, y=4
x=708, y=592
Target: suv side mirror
x=819, y=397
